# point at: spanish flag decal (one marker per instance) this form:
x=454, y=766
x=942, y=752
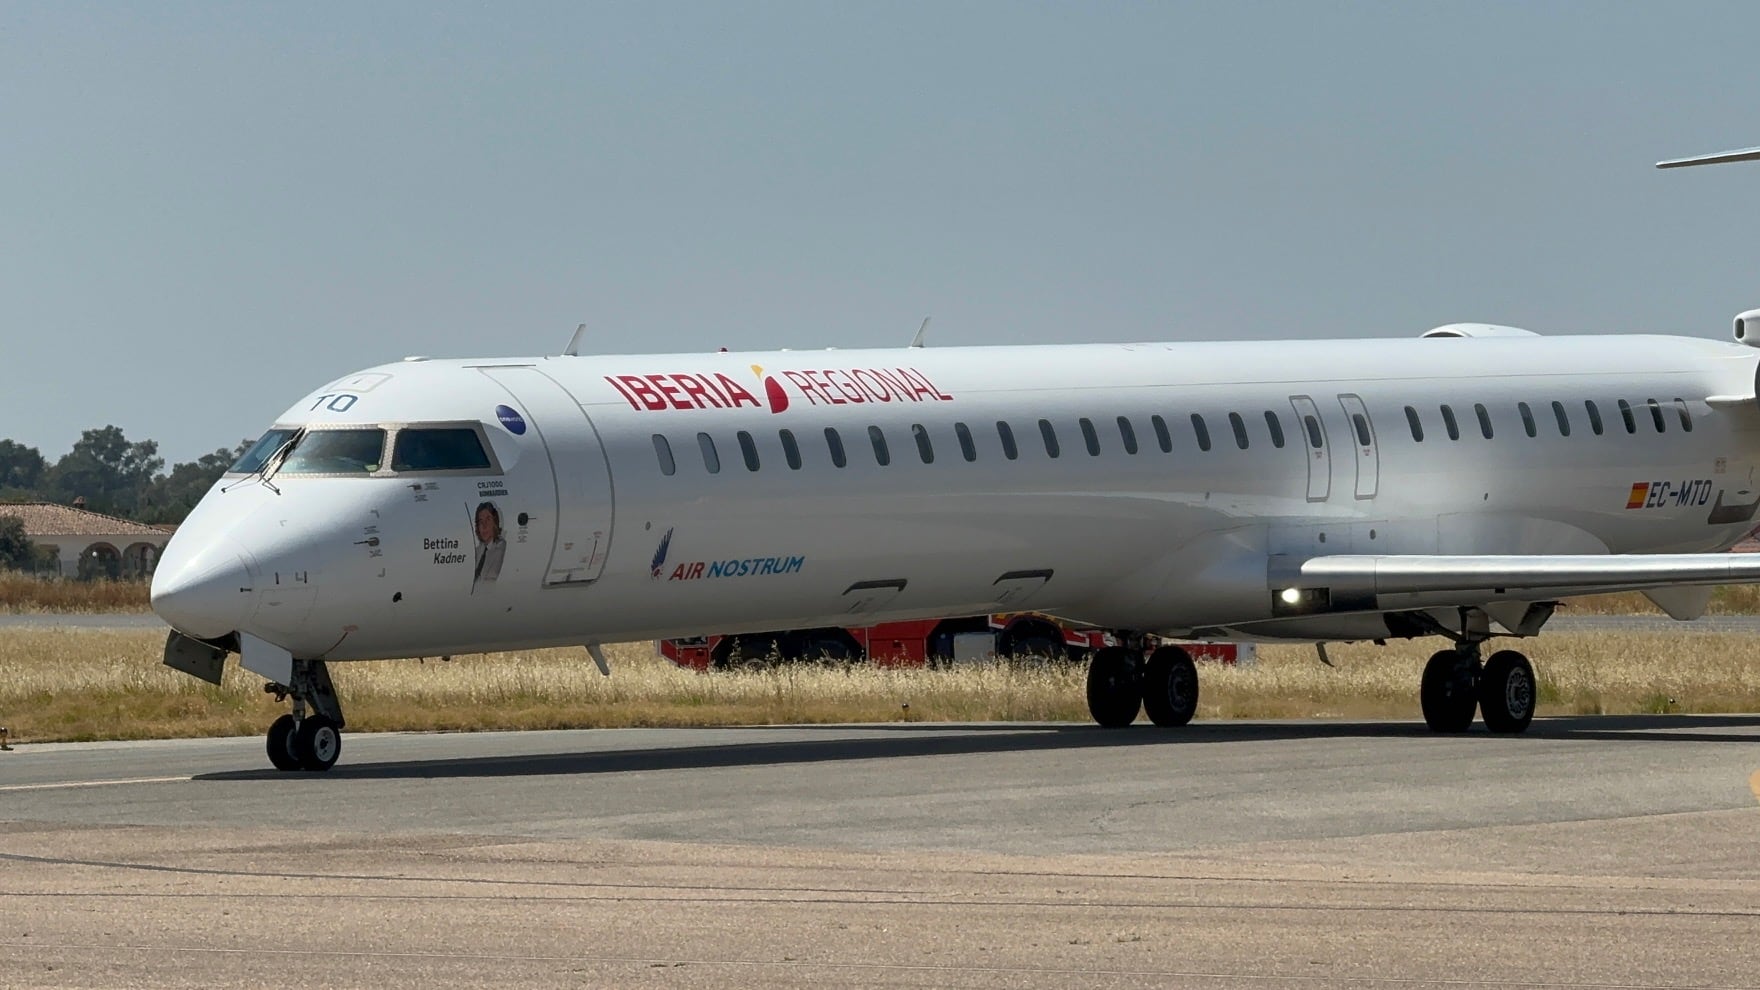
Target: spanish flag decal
x=1639, y=492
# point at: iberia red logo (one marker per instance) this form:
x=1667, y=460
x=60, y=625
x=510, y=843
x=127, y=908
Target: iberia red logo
x=825, y=386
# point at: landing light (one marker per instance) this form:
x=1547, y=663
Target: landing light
x=1291, y=596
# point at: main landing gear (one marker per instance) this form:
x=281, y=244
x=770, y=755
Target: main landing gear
x=305, y=740
x=1455, y=682
x=1120, y=683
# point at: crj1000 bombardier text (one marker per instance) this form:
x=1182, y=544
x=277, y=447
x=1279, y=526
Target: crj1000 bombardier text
x=1456, y=485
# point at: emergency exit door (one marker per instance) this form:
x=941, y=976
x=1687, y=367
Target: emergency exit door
x=1313, y=433
x=1362, y=431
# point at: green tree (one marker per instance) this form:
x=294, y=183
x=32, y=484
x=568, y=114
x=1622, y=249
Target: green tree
x=110, y=473
x=173, y=495
x=21, y=469
x=17, y=552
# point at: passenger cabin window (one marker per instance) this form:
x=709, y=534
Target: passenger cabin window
x=1361, y=423
x=336, y=452
x=1480, y=411
x=1163, y=437
x=262, y=450
x=1448, y=423
x=1127, y=435
x=924, y=449
x=1417, y=426
x=748, y=448
x=1686, y=414
x=1528, y=424
x=834, y=445
x=663, y=452
x=882, y=456
x=1594, y=412
x=1046, y=431
x=1202, y=430
x=966, y=446
x=1275, y=426
x=1090, y=438
x=1564, y=419
x=791, y=451
x=711, y=460
x=1239, y=426
x=1316, y=439
x=1625, y=412
x=1656, y=415
x=1005, y=433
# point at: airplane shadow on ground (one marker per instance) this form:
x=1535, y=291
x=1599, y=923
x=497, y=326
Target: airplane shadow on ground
x=910, y=739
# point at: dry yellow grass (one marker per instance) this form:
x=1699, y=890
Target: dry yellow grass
x=22, y=593
x=59, y=685
x=1733, y=599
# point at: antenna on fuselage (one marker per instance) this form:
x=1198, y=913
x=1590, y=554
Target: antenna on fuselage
x=574, y=343
x=1739, y=155
x=917, y=341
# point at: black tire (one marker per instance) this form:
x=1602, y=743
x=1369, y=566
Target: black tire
x=1034, y=643
x=1170, y=687
x=1449, y=692
x=831, y=649
x=1507, y=692
x=1115, y=687
x=281, y=752
x=318, y=743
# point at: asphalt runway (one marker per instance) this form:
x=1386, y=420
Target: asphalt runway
x=1590, y=852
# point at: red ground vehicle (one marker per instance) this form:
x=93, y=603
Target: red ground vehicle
x=912, y=644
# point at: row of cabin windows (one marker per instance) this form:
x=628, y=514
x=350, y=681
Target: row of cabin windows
x=968, y=448
x=1127, y=434
x=1561, y=416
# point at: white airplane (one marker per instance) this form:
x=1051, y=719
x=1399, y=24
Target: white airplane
x=1456, y=485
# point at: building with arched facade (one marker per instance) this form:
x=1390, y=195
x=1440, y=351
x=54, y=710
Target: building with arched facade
x=91, y=544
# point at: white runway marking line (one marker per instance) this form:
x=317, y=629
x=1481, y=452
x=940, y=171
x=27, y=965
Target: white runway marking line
x=69, y=784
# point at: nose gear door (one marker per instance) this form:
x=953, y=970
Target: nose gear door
x=578, y=467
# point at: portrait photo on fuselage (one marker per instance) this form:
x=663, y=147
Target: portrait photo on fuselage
x=491, y=547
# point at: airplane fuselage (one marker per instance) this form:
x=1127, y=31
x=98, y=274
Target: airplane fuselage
x=1134, y=486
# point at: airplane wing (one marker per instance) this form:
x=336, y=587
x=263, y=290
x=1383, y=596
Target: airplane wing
x=1384, y=582
x=1739, y=155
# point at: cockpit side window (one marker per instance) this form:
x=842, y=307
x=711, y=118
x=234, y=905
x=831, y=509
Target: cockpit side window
x=262, y=450
x=354, y=451
x=450, y=448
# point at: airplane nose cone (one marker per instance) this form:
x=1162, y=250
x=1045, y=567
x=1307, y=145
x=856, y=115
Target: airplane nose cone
x=205, y=594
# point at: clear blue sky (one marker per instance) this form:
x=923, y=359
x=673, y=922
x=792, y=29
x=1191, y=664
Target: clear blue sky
x=206, y=210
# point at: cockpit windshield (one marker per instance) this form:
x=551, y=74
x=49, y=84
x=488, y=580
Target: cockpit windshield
x=261, y=451
x=358, y=451
x=361, y=450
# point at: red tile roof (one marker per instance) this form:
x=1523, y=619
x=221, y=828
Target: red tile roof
x=46, y=520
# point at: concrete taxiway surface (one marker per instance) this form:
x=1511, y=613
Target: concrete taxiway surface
x=1590, y=852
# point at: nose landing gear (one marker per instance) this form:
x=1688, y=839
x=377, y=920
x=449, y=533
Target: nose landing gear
x=302, y=740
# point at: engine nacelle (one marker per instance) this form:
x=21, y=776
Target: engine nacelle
x=1747, y=327
x=1481, y=330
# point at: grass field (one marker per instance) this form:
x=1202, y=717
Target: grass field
x=76, y=685
x=21, y=593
